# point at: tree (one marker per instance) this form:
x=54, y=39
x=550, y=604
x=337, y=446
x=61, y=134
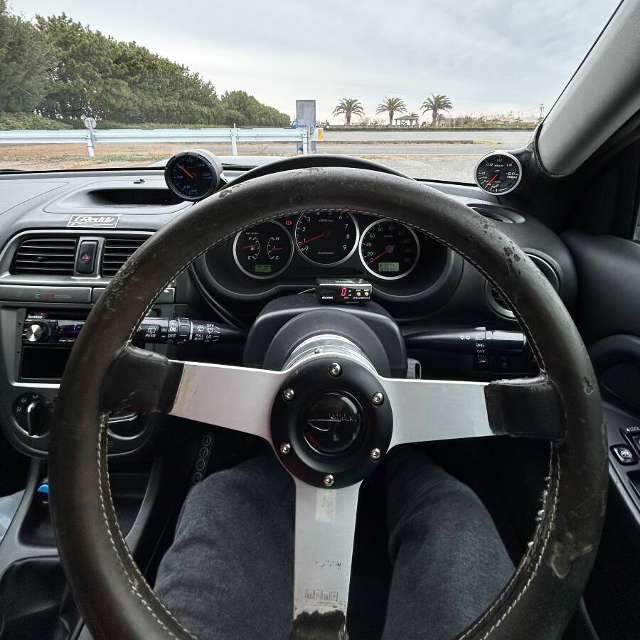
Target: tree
x=391, y=106
x=64, y=71
x=435, y=104
x=24, y=64
x=122, y=82
x=349, y=107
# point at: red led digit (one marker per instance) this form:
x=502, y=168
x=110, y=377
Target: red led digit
x=343, y=293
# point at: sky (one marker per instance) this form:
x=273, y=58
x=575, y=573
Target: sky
x=489, y=56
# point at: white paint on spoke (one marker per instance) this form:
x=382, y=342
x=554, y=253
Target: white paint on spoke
x=325, y=525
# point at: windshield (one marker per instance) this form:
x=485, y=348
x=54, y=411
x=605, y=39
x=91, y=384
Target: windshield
x=426, y=88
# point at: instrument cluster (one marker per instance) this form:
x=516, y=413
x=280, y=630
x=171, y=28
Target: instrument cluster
x=386, y=249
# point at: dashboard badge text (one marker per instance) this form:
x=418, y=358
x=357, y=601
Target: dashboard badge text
x=87, y=221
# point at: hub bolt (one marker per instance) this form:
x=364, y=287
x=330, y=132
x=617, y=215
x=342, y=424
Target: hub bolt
x=377, y=398
x=375, y=454
x=289, y=394
x=285, y=448
x=328, y=481
x=335, y=369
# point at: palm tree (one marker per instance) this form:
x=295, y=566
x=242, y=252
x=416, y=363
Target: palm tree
x=391, y=106
x=435, y=104
x=349, y=107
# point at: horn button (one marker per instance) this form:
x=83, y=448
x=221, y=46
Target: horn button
x=331, y=424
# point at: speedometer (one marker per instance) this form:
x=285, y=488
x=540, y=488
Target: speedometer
x=326, y=237
x=498, y=173
x=389, y=249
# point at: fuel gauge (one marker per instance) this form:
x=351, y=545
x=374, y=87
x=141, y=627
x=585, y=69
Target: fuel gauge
x=263, y=251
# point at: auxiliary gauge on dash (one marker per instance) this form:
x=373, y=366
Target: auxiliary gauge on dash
x=194, y=174
x=498, y=173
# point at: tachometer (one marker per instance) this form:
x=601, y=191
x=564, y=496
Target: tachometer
x=193, y=175
x=326, y=237
x=263, y=251
x=498, y=173
x=389, y=249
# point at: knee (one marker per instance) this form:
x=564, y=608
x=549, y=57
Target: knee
x=242, y=493
x=426, y=502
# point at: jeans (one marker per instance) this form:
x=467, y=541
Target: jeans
x=229, y=572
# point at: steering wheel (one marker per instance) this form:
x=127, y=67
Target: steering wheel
x=561, y=405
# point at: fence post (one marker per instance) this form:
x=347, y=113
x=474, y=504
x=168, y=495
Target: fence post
x=305, y=140
x=91, y=141
x=234, y=142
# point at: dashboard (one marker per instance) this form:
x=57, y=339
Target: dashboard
x=63, y=235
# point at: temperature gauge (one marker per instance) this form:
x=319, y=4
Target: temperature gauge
x=263, y=251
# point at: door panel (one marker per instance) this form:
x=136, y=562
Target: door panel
x=607, y=312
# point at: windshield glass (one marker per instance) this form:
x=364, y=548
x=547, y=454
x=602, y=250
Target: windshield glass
x=426, y=88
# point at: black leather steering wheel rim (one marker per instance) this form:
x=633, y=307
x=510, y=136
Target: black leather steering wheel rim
x=112, y=594
x=313, y=161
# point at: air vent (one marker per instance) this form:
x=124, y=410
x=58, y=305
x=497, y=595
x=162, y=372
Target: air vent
x=45, y=256
x=499, y=300
x=492, y=215
x=498, y=214
x=116, y=252
x=496, y=301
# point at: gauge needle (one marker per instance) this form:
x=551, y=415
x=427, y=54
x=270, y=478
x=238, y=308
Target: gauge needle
x=495, y=175
x=276, y=249
x=251, y=246
x=186, y=172
x=301, y=244
x=384, y=253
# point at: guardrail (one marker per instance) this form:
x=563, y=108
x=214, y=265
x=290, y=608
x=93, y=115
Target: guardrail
x=91, y=137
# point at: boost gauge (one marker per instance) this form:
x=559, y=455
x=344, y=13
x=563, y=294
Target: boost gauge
x=498, y=173
x=263, y=251
x=193, y=175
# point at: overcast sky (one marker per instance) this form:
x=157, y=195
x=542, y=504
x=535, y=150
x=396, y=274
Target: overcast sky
x=489, y=56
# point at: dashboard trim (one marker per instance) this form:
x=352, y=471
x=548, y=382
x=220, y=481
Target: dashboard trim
x=9, y=249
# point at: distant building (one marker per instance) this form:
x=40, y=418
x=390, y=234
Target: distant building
x=412, y=120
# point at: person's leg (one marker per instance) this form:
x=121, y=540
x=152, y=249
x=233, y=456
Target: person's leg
x=449, y=561
x=228, y=574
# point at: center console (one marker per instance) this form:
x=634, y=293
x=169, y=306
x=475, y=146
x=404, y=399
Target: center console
x=37, y=335
x=37, y=342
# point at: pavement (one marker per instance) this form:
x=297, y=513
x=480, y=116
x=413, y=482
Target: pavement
x=438, y=155
x=513, y=139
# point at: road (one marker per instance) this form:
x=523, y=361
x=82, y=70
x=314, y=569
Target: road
x=424, y=154
x=439, y=155
x=512, y=139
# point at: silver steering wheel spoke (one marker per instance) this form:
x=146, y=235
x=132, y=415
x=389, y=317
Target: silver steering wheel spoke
x=324, y=530
x=425, y=410
x=238, y=398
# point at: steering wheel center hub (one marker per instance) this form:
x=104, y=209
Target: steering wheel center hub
x=328, y=417
x=333, y=423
